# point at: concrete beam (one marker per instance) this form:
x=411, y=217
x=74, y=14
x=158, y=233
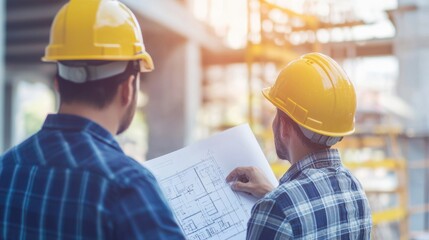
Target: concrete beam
x=153, y=15
x=338, y=50
x=366, y=48
x=181, y=22
x=35, y=13
x=26, y=49
x=27, y=35
x=154, y=12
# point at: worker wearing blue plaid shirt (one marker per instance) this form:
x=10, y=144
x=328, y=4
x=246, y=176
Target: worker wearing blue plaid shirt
x=71, y=180
x=317, y=198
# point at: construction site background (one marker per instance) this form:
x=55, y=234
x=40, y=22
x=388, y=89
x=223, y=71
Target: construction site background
x=212, y=59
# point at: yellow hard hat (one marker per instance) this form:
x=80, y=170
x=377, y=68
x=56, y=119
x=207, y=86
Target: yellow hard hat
x=96, y=30
x=316, y=93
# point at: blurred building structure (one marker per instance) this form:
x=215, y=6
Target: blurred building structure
x=212, y=58
x=172, y=36
x=411, y=47
x=2, y=75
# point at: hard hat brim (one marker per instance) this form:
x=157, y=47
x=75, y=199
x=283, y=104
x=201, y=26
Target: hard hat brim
x=146, y=62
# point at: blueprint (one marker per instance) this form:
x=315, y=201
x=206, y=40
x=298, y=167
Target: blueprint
x=193, y=181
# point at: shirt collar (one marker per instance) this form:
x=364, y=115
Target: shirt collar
x=321, y=159
x=80, y=124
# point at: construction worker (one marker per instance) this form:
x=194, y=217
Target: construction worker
x=71, y=180
x=317, y=198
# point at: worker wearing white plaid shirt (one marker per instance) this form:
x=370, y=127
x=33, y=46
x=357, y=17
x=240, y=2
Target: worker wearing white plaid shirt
x=317, y=198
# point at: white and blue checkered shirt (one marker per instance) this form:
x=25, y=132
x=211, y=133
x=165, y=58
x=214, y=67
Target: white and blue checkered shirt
x=71, y=180
x=317, y=199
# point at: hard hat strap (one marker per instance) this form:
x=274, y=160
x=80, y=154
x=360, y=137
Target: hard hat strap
x=80, y=71
x=319, y=138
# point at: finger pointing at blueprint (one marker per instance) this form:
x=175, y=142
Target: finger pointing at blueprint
x=193, y=181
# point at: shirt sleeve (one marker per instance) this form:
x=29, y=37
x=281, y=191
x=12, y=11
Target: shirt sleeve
x=268, y=221
x=142, y=212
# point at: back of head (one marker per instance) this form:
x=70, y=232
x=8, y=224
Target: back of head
x=97, y=93
x=315, y=92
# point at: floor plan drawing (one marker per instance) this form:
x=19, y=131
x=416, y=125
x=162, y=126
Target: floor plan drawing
x=193, y=181
x=204, y=204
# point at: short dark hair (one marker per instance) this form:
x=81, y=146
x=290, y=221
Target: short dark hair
x=301, y=135
x=98, y=93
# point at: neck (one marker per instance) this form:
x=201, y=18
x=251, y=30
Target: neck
x=301, y=151
x=298, y=153
x=104, y=117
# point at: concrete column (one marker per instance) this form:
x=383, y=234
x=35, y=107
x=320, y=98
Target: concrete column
x=2, y=73
x=9, y=111
x=411, y=47
x=174, y=94
x=412, y=51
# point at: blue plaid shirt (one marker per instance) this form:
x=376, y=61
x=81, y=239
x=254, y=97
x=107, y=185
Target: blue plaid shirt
x=317, y=199
x=71, y=180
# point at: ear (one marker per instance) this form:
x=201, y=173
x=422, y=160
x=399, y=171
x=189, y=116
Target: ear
x=288, y=131
x=126, y=91
x=284, y=128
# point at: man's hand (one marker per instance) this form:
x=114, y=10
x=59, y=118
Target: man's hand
x=250, y=180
